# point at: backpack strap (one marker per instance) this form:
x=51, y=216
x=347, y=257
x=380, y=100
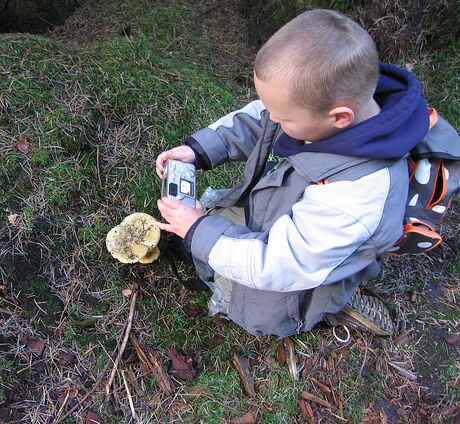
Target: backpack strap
x=441, y=141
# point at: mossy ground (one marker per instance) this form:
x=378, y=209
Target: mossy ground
x=96, y=101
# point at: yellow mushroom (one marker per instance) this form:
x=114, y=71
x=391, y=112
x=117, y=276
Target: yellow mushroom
x=150, y=257
x=134, y=239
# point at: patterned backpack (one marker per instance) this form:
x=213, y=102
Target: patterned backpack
x=434, y=167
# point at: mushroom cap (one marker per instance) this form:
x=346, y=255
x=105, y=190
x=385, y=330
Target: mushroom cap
x=133, y=238
x=151, y=256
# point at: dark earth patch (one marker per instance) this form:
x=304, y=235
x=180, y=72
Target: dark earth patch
x=34, y=16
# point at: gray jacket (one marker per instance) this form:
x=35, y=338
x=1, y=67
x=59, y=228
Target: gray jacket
x=301, y=236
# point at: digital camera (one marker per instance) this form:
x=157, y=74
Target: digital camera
x=179, y=182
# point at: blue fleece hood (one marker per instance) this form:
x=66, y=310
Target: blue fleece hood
x=401, y=124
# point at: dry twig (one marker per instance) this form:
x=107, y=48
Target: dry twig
x=242, y=366
x=311, y=397
x=152, y=360
x=123, y=344
x=130, y=399
x=405, y=373
x=291, y=358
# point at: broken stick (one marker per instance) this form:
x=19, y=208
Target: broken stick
x=291, y=358
x=242, y=366
x=311, y=397
x=130, y=399
x=153, y=361
x=123, y=344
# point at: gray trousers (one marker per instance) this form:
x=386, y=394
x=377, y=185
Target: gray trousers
x=222, y=287
x=279, y=313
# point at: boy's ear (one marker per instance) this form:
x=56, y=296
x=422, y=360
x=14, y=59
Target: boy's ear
x=343, y=116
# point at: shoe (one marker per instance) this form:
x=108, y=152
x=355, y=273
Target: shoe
x=364, y=313
x=173, y=246
x=195, y=285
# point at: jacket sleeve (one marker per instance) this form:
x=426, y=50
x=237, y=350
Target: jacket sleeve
x=232, y=137
x=299, y=252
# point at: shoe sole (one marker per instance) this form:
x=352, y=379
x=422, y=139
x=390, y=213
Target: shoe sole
x=362, y=312
x=355, y=318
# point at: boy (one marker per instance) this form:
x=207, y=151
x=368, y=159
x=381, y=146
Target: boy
x=287, y=248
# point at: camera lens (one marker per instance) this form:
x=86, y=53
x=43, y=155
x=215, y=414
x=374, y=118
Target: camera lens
x=172, y=190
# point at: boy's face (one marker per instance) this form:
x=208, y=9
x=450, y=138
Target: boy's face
x=297, y=122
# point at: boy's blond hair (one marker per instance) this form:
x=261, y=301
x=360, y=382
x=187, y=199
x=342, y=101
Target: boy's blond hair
x=323, y=58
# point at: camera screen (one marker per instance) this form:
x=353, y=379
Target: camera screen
x=186, y=187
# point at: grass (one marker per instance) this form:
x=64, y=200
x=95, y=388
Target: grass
x=97, y=100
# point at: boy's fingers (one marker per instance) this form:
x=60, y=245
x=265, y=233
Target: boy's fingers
x=163, y=226
x=170, y=203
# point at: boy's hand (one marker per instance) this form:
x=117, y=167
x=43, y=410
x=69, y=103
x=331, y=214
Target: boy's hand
x=179, y=216
x=183, y=153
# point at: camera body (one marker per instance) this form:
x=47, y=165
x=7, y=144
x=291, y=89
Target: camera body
x=179, y=182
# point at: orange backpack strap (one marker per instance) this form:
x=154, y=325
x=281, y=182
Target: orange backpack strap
x=418, y=237
x=433, y=115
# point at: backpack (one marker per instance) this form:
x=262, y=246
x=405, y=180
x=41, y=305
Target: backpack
x=434, y=169
x=434, y=179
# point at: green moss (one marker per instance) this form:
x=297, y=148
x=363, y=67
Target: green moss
x=360, y=392
x=282, y=394
x=64, y=180
x=219, y=386
x=8, y=370
x=10, y=172
x=41, y=156
x=30, y=216
x=96, y=118
x=144, y=187
x=92, y=240
x=456, y=265
x=442, y=86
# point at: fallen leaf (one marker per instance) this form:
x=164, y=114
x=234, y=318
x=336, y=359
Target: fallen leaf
x=126, y=292
x=218, y=319
x=403, y=339
x=90, y=299
x=69, y=396
x=92, y=418
x=215, y=341
x=65, y=359
x=453, y=339
x=181, y=365
x=305, y=409
x=179, y=406
x=248, y=418
x=22, y=145
x=12, y=218
x=191, y=311
x=281, y=354
x=36, y=346
x=267, y=360
x=370, y=416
